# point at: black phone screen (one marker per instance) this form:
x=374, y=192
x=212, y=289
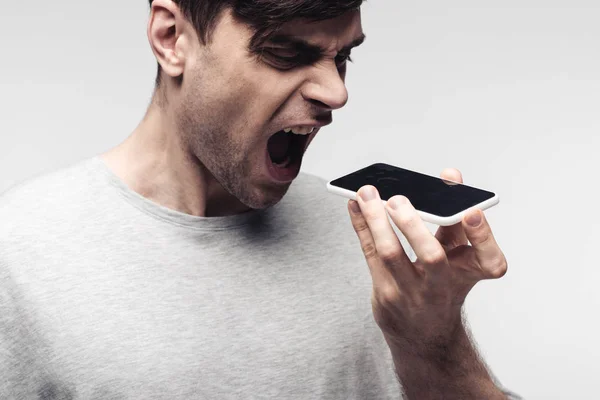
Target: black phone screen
x=426, y=193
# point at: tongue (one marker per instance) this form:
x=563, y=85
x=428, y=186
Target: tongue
x=278, y=146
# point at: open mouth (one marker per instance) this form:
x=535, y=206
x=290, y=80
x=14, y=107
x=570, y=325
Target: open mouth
x=286, y=146
x=285, y=151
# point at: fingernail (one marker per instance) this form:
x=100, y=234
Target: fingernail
x=397, y=201
x=474, y=219
x=369, y=193
x=355, y=207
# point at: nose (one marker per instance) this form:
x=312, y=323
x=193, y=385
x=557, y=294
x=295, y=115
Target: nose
x=327, y=89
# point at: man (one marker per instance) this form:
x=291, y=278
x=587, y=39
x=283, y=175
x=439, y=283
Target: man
x=184, y=264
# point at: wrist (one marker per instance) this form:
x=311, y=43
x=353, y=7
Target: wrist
x=439, y=366
x=432, y=344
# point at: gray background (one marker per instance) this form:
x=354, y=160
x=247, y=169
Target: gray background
x=508, y=92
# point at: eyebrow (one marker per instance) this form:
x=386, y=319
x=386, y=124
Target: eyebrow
x=303, y=46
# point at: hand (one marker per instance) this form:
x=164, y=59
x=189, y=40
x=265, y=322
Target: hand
x=418, y=304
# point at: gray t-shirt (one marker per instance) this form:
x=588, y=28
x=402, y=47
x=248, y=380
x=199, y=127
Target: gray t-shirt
x=107, y=295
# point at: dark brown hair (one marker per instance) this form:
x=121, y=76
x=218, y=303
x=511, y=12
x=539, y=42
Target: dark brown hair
x=264, y=16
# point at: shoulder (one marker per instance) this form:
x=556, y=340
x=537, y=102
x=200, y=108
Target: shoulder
x=39, y=201
x=50, y=180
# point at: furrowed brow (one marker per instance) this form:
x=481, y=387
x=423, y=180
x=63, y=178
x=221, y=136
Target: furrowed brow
x=300, y=45
x=305, y=47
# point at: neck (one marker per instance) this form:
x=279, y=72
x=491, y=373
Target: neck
x=155, y=163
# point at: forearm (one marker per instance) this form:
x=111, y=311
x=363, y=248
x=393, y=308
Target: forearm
x=449, y=371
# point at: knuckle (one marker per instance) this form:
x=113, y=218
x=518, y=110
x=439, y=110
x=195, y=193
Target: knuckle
x=498, y=267
x=433, y=257
x=389, y=251
x=482, y=238
x=388, y=295
x=361, y=226
x=369, y=250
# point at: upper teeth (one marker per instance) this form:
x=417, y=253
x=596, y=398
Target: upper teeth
x=300, y=130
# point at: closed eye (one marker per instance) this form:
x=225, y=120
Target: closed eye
x=286, y=52
x=285, y=59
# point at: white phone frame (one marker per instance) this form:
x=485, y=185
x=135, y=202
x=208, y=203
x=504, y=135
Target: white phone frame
x=427, y=217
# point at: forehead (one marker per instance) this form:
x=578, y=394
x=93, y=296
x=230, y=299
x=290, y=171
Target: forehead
x=330, y=34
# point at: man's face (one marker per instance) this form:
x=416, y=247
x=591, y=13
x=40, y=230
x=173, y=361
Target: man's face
x=234, y=101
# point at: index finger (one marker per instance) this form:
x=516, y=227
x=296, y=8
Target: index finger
x=388, y=247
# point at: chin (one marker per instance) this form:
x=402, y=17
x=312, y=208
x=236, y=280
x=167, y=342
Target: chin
x=264, y=197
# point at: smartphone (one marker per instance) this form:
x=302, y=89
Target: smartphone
x=438, y=201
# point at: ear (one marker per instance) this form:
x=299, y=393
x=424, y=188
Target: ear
x=168, y=32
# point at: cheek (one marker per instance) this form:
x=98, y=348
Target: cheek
x=272, y=93
x=245, y=99
x=240, y=97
